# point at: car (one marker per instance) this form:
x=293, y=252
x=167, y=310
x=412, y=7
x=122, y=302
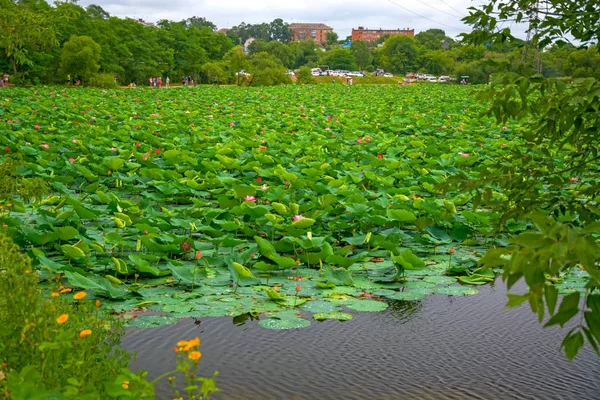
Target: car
x=388, y=75
x=443, y=79
x=432, y=79
x=316, y=72
x=242, y=73
x=291, y=73
x=355, y=73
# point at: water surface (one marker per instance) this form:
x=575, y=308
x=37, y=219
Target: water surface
x=439, y=348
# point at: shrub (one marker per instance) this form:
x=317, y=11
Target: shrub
x=103, y=80
x=304, y=76
x=50, y=343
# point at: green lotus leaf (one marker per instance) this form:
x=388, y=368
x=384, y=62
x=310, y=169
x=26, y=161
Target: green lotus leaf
x=340, y=316
x=284, y=324
x=367, y=305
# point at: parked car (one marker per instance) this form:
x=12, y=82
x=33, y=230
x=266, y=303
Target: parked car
x=378, y=72
x=355, y=73
x=388, y=75
x=444, y=79
x=316, y=71
x=242, y=73
x=291, y=73
x=432, y=79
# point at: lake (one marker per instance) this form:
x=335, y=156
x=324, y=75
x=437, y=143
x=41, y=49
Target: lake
x=439, y=348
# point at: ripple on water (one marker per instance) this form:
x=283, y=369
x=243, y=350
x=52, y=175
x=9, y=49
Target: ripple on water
x=439, y=348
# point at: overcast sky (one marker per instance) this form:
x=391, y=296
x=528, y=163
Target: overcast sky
x=341, y=15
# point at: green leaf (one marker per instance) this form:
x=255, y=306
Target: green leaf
x=284, y=324
x=401, y=215
x=569, y=307
x=337, y=276
x=72, y=251
x=515, y=300
x=340, y=316
x=114, y=163
x=551, y=296
x=572, y=343
x=367, y=305
x=303, y=223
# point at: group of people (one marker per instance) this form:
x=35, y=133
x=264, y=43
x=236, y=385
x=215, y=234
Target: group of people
x=3, y=80
x=187, y=81
x=156, y=81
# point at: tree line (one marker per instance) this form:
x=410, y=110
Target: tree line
x=43, y=43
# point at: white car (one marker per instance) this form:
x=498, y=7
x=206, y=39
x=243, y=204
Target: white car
x=291, y=73
x=242, y=73
x=316, y=71
x=443, y=79
x=355, y=73
x=432, y=79
x=388, y=75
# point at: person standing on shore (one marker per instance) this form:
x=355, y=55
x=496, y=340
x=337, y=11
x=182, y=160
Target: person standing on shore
x=167, y=82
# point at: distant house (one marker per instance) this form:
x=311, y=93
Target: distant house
x=223, y=31
x=317, y=31
x=371, y=35
x=142, y=22
x=248, y=43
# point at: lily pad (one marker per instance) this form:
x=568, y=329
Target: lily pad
x=456, y=290
x=340, y=316
x=284, y=324
x=152, y=321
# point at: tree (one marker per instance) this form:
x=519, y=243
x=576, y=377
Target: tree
x=331, y=38
x=339, y=59
x=279, y=31
x=266, y=70
x=236, y=61
x=215, y=72
x=304, y=76
x=399, y=54
x=95, y=11
x=80, y=57
x=27, y=28
x=198, y=22
x=361, y=53
x=550, y=180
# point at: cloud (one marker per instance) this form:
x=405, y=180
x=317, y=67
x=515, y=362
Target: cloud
x=341, y=15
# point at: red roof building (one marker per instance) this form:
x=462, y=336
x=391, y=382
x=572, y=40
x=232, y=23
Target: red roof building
x=317, y=32
x=371, y=35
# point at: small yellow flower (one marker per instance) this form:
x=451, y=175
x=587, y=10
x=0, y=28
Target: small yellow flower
x=195, y=355
x=125, y=385
x=55, y=294
x=182, y=343
x=62, y=319
x=191, y=344
x=84, y=333
x=80, y=295
x=66, y=290
x=98, y=303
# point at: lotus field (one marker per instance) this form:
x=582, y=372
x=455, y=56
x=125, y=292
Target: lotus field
x=292, y=204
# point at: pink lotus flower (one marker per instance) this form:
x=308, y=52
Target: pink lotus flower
x=464, y=154
x=114, y=149
x=74, y=141
x=138, y=144
x=259, y=179
x=232, y=124
x=574, y=179
x=359, y=141
x=46, y=146
x=145, y=158
x=157, y=151
x=367, y=139
x=297, y=287
x=380, y=156
x=37, y=127
x=7, y=149
x=71, y=160
x=250, y=199
x=264, y=187
x=198, y=255
x=503, y=144
x=298, y=217
x=328, y=129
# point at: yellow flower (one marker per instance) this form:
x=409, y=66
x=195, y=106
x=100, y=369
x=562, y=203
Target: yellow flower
x=191, y=344
x=182, y=343
x=66, y=290
x=97, y=303
x=80, y=295
x=84, y=333
x=55, y=294
x=195, y=355
x=62, y=319
x=125, y=385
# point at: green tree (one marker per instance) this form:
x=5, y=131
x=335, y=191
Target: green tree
x=279, y=31
x=339, y=59
x=80, y=57
x=215, y=72
x=266, y=70
x=236, y=61
x=331, y=38
x=550, y=180
x=304, y=76
x=361, y=53
x=399, y=54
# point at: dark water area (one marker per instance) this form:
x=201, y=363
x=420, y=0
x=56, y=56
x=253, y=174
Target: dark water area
x=440, y=348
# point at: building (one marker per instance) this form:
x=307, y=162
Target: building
x=371, y=35
x=142, y=22
x=223, y=31
x=318, y=32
